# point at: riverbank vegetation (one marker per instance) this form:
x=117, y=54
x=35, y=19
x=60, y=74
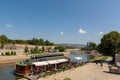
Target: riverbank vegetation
x=90, y=47
x=110, y=44
x=67, y=78
x=60, y=48
x=102, y=58
x=34, y=41
x=8, y=53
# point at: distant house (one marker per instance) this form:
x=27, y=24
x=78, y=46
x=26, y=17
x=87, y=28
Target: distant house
x=78, y=57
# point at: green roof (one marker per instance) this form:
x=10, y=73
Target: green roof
x=22, y=64
x=29, y=61
x=48, y=55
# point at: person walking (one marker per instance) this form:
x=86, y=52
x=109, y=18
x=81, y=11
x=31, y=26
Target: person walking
x=96, y=62
x=101, y=64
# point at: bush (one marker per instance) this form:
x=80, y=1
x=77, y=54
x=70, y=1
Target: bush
x=60, y=48
x=67, y=78
x=2, y=54
x=26, y=50
x=14, y=53
x=36, y=49
x=43, y=49
x=92, y=57
x=6, y=53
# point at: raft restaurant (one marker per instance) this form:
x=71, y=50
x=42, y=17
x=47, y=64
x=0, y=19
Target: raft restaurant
x=54, y=62
x=24, y=68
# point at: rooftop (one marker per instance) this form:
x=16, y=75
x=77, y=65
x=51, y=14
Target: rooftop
x=22, y=63
x=41, y=58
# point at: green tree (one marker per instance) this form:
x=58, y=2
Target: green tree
x=3, y=40
x=49, y=48
x=43, y=49
x=93, y=46
x=51, y=44
x=34, y=41
x=32, y=51
x=36, y=49
x=110, y=44
x=60, y=48
x=7, y=53
x=26, y=50
x=47, y=43
x=67, y=78
x=40, y=42
x=2, y=54
x=12, y=53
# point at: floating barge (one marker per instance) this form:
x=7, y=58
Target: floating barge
x=39, y=64
x=50, y=62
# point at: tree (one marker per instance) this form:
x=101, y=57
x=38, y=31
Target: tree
x=49, y=48
x=2, y=54
x=7, y=53
x=67, y=78
x=60, y=48
x=110, y=44
x=40, y=42
x=12, y=53
x=32, y=51
x=43, y=49
x=90, y=46
x=26, y=49
x=47, y=43
x=3, y=40
x=36, y=49
x=93, y=46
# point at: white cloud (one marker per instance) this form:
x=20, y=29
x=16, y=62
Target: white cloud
x=8, y=25
x=81, y=31
x=61, y=33
x=101, y=33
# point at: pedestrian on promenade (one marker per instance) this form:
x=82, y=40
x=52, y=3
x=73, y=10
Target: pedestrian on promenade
x=101, y=64
x=96, y=62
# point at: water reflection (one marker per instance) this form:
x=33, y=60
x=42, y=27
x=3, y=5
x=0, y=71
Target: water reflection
x=7, y=72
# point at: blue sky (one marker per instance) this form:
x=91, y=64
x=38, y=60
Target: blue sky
x=59, y=21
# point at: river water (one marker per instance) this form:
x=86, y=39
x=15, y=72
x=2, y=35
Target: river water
x=7, y=72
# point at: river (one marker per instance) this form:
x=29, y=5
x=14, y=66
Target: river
x=7, y=72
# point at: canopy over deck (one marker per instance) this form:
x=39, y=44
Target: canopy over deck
x=62, y=60
x=42, y=63
x=52, y=62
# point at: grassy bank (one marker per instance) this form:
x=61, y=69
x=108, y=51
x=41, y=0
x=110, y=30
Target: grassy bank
x=102, y=58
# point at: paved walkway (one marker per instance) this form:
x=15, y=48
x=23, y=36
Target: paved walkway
x=90, y=71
